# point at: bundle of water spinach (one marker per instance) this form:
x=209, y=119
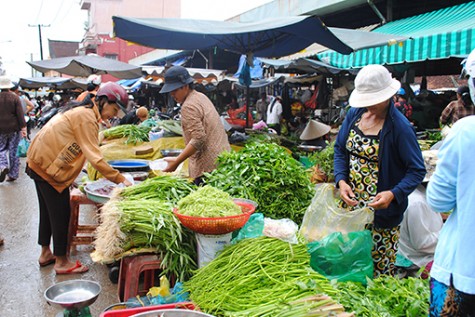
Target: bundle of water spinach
x=263, y=277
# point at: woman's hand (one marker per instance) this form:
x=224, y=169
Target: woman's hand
x=347, y=194
x=172, y=164
x=382, y=200
x=127, y=183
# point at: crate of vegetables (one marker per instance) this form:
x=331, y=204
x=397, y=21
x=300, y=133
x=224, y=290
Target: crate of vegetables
x=211, y=211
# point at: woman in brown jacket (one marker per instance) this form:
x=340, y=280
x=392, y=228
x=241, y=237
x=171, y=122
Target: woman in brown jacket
x=56, y=157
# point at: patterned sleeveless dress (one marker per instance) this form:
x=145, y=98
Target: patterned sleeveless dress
x=363, y=180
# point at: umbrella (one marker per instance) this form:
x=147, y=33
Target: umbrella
x=85, y=65
x=52, y=82
x=274, y=37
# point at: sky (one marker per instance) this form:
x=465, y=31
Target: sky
x=63, y=20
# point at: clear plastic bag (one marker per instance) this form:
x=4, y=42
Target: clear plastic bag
x=283, y=229
x=324, y=215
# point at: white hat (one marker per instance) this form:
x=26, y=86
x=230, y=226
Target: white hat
x=373, y=85
x=313, y=130
x=94, y=79
x=6, y=83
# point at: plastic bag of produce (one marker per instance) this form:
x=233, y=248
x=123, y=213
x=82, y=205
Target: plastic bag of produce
x=23, y=147
x=324, y=215
x=344, y=257
x=283, y=229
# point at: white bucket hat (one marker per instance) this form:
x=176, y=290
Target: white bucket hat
x=373, y=85
x=6, y=83
x=313, y=130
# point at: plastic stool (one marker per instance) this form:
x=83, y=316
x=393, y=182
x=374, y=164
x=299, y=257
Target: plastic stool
x=129, y=274
x=79, y=234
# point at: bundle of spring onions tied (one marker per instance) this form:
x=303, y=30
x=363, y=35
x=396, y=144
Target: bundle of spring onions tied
x=134, y=134
x=208, y=201
x=142, y=216
x=263, y=277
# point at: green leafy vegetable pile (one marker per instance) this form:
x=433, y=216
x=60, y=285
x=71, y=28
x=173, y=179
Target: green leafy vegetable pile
x=268, y=175
x=262, y=277
x=208, y=201
x=386, y=296
x=166, y=188
x=134, y=134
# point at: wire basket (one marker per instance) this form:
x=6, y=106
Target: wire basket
x=220, y=225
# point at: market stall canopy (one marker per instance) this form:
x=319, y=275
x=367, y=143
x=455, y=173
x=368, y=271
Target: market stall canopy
x=85, y=65
x=272, y=37
x=196, y=73
x=304, y=66
x=442, y=34
x=52, y=82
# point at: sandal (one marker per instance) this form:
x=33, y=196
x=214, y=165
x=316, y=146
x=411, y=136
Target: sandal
x=47, y=262
x=78, y=268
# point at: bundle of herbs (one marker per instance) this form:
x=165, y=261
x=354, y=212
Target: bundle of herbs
x=268, y=175
x=263, y=277
x=134, y=134
x=323, y=171
x=386, y=296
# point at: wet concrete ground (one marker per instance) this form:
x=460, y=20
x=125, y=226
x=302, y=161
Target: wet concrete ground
x=22, y=281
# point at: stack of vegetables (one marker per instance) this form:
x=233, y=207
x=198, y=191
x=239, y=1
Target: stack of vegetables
x=263, y=277
x=134, y=134
x=142, y=216
x=268, y=175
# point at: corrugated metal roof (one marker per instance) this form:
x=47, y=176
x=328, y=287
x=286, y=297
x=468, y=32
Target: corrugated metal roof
x=439, y=34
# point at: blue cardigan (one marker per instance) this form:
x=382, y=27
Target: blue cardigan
x=401, y=166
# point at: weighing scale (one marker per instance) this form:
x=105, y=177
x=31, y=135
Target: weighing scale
x=75, y=296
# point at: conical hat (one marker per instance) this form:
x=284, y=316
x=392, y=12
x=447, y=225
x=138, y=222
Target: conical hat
x=313, y=130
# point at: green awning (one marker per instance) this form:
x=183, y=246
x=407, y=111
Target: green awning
x=440, y=34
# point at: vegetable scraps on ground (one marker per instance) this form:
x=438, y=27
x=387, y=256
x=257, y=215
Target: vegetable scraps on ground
x=142, y=216
x=263, y=277
x=134, y=134
x=268, y=175
x=209, y=202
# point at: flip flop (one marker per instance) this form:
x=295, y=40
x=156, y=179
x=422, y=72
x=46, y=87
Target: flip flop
x=78, y=268
x=3, y=174
x=48, y=262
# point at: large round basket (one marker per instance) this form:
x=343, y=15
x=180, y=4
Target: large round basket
x=217, y=226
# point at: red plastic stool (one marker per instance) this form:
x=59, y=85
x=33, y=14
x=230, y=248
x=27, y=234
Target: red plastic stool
x=129, y=275
x=79, y=234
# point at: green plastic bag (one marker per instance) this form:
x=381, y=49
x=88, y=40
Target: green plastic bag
x=343, y=257
x=252, y=229
x=22, y=147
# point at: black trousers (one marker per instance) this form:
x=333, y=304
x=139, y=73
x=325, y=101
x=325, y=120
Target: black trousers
x=55, y=212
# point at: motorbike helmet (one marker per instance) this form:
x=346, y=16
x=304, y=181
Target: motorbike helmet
x=114, y=93
x=469, y=70
x=401, y=91
x=93, y=81
x=56, y=98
